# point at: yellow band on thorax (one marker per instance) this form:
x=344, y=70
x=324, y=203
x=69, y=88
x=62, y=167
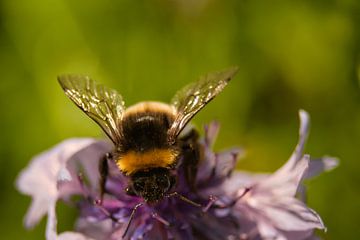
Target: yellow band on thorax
x=133, y=161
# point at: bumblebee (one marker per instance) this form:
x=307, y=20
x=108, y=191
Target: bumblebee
x=147, y=146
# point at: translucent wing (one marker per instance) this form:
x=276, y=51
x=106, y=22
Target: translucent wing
x=104, y=105
x=193, y=97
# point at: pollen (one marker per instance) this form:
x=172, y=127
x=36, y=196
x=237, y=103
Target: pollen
x=133, y=161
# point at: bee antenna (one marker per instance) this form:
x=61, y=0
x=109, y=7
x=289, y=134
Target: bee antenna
x=132, y=217
x=183, y=198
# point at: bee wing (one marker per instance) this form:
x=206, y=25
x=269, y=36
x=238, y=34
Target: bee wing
x=104, y=105
x=193, y=97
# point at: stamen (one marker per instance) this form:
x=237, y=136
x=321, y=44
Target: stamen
x=246, y=190
x=212, y=200
x=160, y=219
x=98, y=202
x=233, y=202
x=83, y=187
x=106, y=212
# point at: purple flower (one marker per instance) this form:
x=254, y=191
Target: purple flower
x=226, y=205
x=268, y=203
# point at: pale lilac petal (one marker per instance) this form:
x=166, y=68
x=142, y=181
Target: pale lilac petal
x=73, y=236
x=300, y=235
x=267, y=231
x=39, y=179
x=290, y=214
x=51, y=232
x=270, y=201
x=226, y=161
x=316, y=166
x=240, y=180
x=313, y=237
x=64, y=175
x=303, y=134
x=99, y=230
x=278, y=218
x=87, y=160
x=38, y=208
x=218, y=166
x=206, y=167
x=211, y=132
x=283, y=183
x=320, y=165
x=285, y=180
x=224, y=165
x=296, y=164
x=51, y=228
x=282, y=213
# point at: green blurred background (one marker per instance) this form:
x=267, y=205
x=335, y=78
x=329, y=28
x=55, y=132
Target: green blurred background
x=291, y=54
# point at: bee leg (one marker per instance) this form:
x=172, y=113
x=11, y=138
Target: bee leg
x=191, y=157
x=183, y=198
x=104, y=172
x=132, y=215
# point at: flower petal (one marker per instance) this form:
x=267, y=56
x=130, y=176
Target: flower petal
x=87, y=161
x=267, y=231
x=39, y=179
x=216, y=166
x=283, y=184
x=298, y=152
x=51, y=232
x=290, y=214
x=287, y=179
x=270, y=201
x=38, y=208
x=72, y=236
x=64, y=175
x=211, y=132
x=99, y=230
x=226, y=161
x=320, y=165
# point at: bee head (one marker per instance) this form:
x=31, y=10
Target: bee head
x=152, y=184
